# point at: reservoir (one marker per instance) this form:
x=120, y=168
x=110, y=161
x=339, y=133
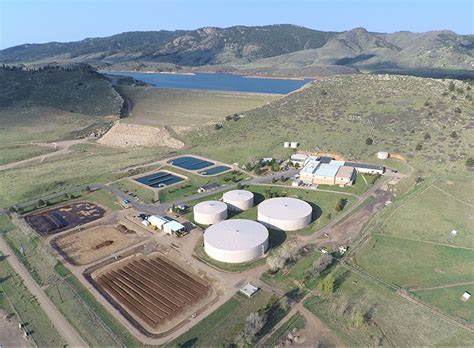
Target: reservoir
x=217, y=82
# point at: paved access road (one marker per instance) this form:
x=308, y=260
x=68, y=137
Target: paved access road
x=59, y=322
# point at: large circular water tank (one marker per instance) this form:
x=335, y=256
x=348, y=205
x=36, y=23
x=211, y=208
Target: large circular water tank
x=238, y=200
x=210, y=212
x=283, y=213
x=236, y=240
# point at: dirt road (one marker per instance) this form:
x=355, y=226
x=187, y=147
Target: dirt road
x=61, y=146
x=59, y=322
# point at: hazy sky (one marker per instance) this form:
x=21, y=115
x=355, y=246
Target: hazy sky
x=38, y=21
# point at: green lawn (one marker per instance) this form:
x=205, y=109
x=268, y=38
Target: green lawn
x=145, y=194
x=359, y=187
x=394, y=320
x=449, y=301
x=440, y=215
x=104, y=198
x=190, y=186
x=15, y=297
x=413, y=264
x=222, y=326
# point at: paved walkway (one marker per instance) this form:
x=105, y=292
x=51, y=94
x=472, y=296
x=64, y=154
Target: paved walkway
x=59, y=322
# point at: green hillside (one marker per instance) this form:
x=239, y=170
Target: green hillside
x=77, y=89
x=429, y=122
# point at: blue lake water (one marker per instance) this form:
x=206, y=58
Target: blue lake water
x=217, y=82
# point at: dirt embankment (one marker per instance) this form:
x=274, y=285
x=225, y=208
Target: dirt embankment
x=133, y=135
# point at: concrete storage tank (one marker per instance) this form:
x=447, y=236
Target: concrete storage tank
x=210, y=212
x=287, y=214
x=238, y=200
x=236, y=240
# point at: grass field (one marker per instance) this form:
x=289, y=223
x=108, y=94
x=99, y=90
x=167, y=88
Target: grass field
x=441, y=214
x=293, y=275
x=87, y=164
x=182, y=109
x=39, y=124
x=104, y=198
x=16, y=153
x=415, y=264
x=295, y=322
x=222, y=325
x=393, y=321
x=16, y=298
x=449, y=301
x=145, y=194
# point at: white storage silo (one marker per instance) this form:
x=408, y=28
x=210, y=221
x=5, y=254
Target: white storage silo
x=236, y=240
x=284, y=213
x=238, y=200
x=210, y=212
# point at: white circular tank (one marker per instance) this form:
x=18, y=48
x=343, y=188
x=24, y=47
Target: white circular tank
x=382, y=155
x=236, y=240
x=283, y=213
x=238, y=200
x=210, y=212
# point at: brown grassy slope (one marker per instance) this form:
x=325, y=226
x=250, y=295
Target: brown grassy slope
x=339, y=113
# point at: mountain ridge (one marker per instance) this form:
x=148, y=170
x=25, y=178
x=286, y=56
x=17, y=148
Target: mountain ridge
x=268, y=48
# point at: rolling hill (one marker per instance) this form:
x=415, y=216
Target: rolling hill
x=76, y=89
x=428, y=121
x=267, y=50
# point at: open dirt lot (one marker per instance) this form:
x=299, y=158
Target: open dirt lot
x=85, y=247
x=134, y=135
x=58, y=219
x=153, y=291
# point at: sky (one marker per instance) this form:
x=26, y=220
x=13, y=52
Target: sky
x=39, y=21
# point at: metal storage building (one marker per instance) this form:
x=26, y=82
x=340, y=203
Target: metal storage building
x=210, y=212
x=238, y=200
x=284, y=213
x=236, y=240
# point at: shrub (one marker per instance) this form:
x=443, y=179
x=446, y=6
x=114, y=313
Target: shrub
x=453, y=135
x=369, y=141
x=451, y=86
x=470, y=162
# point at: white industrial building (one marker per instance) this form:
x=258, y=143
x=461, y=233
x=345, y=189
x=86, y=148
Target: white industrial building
x=210, y=212
x=283, y=213
x=238, y=200
x=157, y=221
x=236, y=240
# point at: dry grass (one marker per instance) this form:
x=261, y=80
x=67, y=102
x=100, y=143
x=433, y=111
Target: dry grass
x=186, y=108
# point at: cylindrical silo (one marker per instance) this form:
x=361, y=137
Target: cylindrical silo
x=283, y=213
x=210, y=212
x=238, y=200
x=236, y=240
